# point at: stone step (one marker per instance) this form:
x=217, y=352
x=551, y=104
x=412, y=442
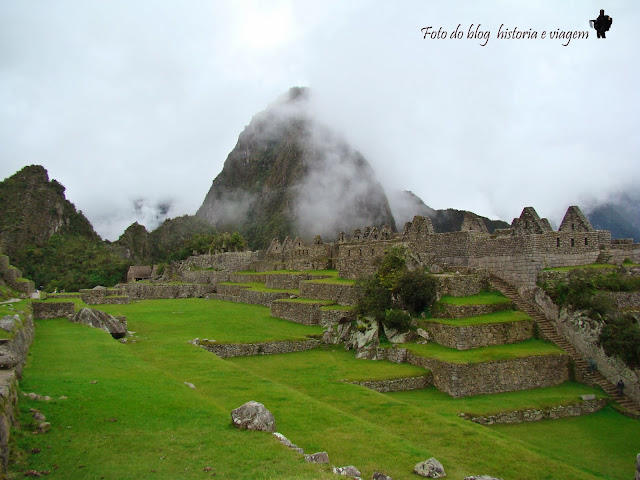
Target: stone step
x=551, y=333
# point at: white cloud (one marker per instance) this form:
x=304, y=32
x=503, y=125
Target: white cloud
x=122, y=100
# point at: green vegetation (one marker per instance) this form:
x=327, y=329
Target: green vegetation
x=392, y=289
x=595, y=266
x=344, y=308
x=588, y=289
x=527, y=348
x=483, y=298
x=504, y=316
x=307, y=300
x=165, y=430
x=260, y=287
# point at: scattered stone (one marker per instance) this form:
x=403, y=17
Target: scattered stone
x=435, y=268
x=287, y=443
x=111, y=419
x=46, y=398
x=44, y=427
x=423, y=334
x=207, y=469
x=63, y=397
x=349, y=471
x=586, y=398
x=102, y=320
x=123, y=340
x=253, y=416
x=38, y=415
x=33, y=451
x=190, y=385
x=481, y=477
x=33, y=396
x=319, y=457
x=431, y=468
x=93, y=382
x=380, y=476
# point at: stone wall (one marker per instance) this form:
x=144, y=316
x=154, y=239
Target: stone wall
x=461, y=285
x=203, y=276
x=341, y=294
x=46, y=310
x=398, y=384
x=8, y=413
x=13, y=356
x=474, y=336
x=583, y=332
x=228, y=261
x=533, y=415
x=461, y=380
x=447, y=310
x=288, y=281
x=240, y=294
x=627, y=299
x=299, y=312
x=145, y=291
x=263, y=348
x=247, y=278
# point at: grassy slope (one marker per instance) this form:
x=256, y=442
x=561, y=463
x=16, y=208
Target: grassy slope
x=484, y=298
x=596, y=266
x=504, y=316
x=158, y=416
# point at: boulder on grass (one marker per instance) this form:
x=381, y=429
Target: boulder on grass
x=98, y=319
x=253, y=416
x=349, y=471
x=319, y=457
x=431, y=468
x=380, y=476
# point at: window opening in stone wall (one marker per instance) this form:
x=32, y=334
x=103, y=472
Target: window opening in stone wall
x=586, y=241
x=573, y=242
x=372, y=252
x=348, y=253
x=558, y=242
x=360, y=252
x=573, y=226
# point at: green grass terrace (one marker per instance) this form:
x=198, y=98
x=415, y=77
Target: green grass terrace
x=528, y=348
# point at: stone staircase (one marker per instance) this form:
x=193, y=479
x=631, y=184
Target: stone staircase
x=550, y=332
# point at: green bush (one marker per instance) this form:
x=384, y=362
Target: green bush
x=397, y=320
x=620, y=337
x=416, y=291
x=374, y=298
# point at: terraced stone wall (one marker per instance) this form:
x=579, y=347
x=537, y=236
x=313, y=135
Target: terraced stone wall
x=474, y=336
x=47, y=310
x=447, y=310
x=141, y=291
x=399, y=384
x=462, y=380
x=342, y=294
x=305, y=313
x=262, y=348
x=461, y=285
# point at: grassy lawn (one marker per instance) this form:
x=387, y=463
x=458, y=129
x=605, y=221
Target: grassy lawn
x=483, y=298
x=259, y=287
x=527, y=348
x=225, y=322
x=165, y=430
x=504, y=316
x=596, y=266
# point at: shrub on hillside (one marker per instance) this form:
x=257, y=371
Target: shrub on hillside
x=374, y=298
x=620, y=337
x=416, y=291
x=397, y=320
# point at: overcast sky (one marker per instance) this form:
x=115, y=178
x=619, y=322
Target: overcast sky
x=135, y=105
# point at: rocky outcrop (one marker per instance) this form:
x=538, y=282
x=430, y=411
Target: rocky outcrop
x=319, y=457
x=253, y=416
x=97, y=319
x=349, y=471
x=431, y=468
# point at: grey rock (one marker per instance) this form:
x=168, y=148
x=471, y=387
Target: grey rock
x=637, y=467
x=395, y=336
x=430, y=468
x=588, y=397
x=190, y=385
x=349, y=471
x=283, y=440
x=253, y=416
x=9, y=323
x=435, y=268
x=102, y=320
x=380, y=476
x=319, y=457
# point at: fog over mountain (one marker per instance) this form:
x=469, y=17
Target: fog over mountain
x=140, y=103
